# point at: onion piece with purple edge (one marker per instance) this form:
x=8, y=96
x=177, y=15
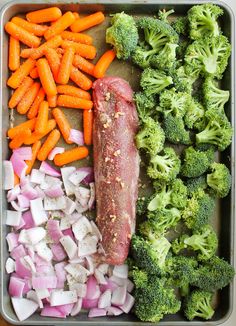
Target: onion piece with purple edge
x=91, y=201
x=77, y=307
x=81, y=228
x=29, y=191
x=29, y=262
x=28, y=219
x=10, y=265
x=54, y=204
x=13, y=193
x=69, y=245
x=58, y=252
x=12, y=240
x=60, y=274
x=25, y=153
x=119, y=296
x=95, y=230
x=70, y=206
x=17, y=207
x=113, y=311
x=87, y=246
x=44, y=282
x=32, y=295
x=24, y=308
x=100, y=277
x=55, y=151
x=93, y=290
x=105, y=299
x=8, y=175
x=81, y=289
x=121, y=271
x=128, y=304
x=54, y=231
x=16, y=287
x=23, y=201
x=49, y=170
x=32, y=236
x=18, y=252
x=78, y=272
x=76, y=136
x=66, y=172
x=54, y=191
x=109, y=286
x=82, y=195
x=96, y=312
x=49, y=311
x=43, y=250
x=90, y=177
x=78, y=176
x=19, y=165
x=90, y=264
x=22, y=269
x=89, y=303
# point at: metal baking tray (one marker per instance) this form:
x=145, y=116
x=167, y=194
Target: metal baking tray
x=225, y=215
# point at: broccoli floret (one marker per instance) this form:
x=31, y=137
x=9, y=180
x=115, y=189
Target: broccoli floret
x=145, y=105
x=214, y=97
x=181, y=25
x=168, y=195
x=218, y=131
x=175, y=130
x=199, y=208
x=156, y=34
x=203, y=20
x=140, y=277
x=195, y=162
x=208, y=56
x=154, y=81
x=141, y=205
x=151, y=137
x=164, y=166
x=214, y=274
x=161, y=222
x=182, y=79
x=181, y=49
x=193, y=184
x=198, y=304
x=174, y=103
x=163, y=14
x=155, y=300
x=181, y=270
x=204, y=241
x=165, y=58
x=150, y=253
x=123, y=35
x=219, y=180
x=195, y=116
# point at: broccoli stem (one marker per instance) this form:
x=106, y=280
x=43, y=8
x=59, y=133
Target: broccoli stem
x=204, y=309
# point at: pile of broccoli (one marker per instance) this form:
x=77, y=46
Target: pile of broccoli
x=183, y=123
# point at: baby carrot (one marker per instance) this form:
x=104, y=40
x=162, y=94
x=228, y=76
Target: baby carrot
x=20, y=92
x=65, y=66
x=46, y=77
x=19, y=139
x=71, y=155
x=86, y=51
x=53, y=60
x=35, y=148
x=17, y=77
x=52, y=101
x=103, y=63
x=29, y=97
x=76, y=14
x=14, y=54
x=73, y=91
x=87, y=22
x=22, y=35
x=60, y=51
x=60, y=25
x=68, y=101
x=83, y=64
x=80, y=79
x=44, y=15
x=33, y=111
x=63, y=124
x=35, y=29
x=34, y=137
x=34, y=73
x=39, y=52
x=29, y=124
x=77, y=37
x=42, y=118
x=16, y=179
x=88, y=126
x=48, y=145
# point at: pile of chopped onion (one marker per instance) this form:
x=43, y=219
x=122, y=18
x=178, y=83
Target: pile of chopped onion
x=55, y=264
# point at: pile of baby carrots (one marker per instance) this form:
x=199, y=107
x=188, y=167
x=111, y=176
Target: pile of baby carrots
x=57, y=52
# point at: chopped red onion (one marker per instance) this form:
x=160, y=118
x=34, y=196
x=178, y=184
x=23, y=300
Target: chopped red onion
x=77, y=137
x=54, y=191
x=32, y=236
x=100, y=277
x=90, y=264
x=81, y=289
x=29, y=191
x=37, y=176
x=42, y=293
x=128, y=304
x=20, y=226
x=119, y=296
x=52, y=204
x=95, y=230
x=54, y=231
x=28, y=219
x=93, y=290
x=82, y=195
x=19, y=165
x=109, y=286
x=16, y=287
x=32, y=295
x=78, y=272
x=90, y=177
x=13, y=218
x=87, y=246
x=55, y=151
x=91, y=201
x=70, y=206
x=103, y=268
x=49, y=170
x=38, y=213
x=69, y=246
x=17, y=207
x=66, y=172
x=60, y=297
x=69, y=232
x=23, y=308
x=8, y=175
x=22, y=269
x=61, y=274
x=77, y=307
x=10, y=265
x=113, y=311
x=40, y=192
x=66, y=308
x=121, y=271
x=25, y=153
x=43, y=250
x=96, y=312
x=129, y=285
x=105, y=299
x=89, y=303
x=119, y=281
x=18, y=251
x=13, y=193
x=58, y=252
x=81, y=228
x=23, y=201
x=49, y=311
x=12, y=240
x=78, y=176
x=29, y=262
x=44, y=282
